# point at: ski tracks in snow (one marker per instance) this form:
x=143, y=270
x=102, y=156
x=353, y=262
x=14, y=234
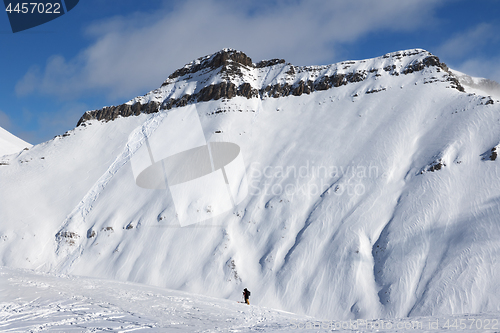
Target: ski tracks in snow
x=31, y=302
x=76, y=221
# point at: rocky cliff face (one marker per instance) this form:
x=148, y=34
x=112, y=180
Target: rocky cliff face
x=230, y=73
x=123, y=110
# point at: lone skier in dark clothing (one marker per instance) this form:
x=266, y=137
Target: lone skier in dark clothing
x=246, y=295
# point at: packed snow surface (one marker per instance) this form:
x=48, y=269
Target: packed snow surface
x=374, y=199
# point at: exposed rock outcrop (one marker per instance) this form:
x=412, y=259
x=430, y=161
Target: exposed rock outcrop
x=124, y=110
x=434, y=166
x=230, y=73
x=222, y=58
x=491, y=154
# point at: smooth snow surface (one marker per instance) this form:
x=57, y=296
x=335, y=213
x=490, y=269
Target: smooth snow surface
x=10, y=144
x=375, y=199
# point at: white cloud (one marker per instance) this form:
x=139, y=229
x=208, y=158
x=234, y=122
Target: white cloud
x=469, y=41
x=46, y=124
x=461, y=52
x=481, y=67
x=136, y=53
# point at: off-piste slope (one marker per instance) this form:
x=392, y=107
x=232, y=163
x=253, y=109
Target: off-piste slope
x=373, y=190
x=35, y=301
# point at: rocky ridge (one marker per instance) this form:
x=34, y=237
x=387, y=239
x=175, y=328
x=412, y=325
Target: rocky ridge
x=230, y=73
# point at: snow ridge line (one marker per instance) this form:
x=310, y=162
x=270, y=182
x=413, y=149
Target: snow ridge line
x=230, y=79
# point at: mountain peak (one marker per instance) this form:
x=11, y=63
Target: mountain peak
x=222, y=58
x=230, y=73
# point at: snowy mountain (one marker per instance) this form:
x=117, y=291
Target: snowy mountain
x=10, y=144
x=373, y=190
x=230, y=73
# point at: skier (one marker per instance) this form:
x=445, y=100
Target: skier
x=246, y=295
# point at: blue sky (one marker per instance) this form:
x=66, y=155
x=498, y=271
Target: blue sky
x=105, y=52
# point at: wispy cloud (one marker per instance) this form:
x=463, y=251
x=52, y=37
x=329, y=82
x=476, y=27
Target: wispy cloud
x=133, y=54
x=43, y=125
x=488, y=68
x=464, y=51
x=468, y=42
x=4, y=120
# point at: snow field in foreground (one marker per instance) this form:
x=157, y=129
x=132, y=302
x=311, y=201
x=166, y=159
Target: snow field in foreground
x=34, y=302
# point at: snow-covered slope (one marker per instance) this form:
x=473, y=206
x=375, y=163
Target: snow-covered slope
x=37, y=302
x=10, y=144
x=32, y=302
x=373, y=191
x=478, y=85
